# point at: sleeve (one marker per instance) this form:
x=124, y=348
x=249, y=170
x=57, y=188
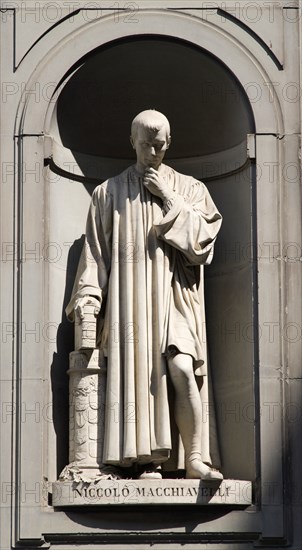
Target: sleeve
x=94, y=265
x=191, y=224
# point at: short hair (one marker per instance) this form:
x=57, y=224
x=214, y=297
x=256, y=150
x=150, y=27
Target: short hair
x=151, y=119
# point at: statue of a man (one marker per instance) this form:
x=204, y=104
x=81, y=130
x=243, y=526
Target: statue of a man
x=148, y=231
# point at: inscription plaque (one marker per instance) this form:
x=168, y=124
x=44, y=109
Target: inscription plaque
x=161, y=491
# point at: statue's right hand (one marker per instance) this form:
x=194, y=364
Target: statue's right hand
x=82, y=302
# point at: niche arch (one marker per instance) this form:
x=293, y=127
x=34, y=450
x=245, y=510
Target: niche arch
x=245, y=59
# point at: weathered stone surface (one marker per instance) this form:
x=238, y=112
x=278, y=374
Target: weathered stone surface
x=161, y=491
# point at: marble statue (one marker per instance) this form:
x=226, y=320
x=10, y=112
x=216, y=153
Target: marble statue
x=149, y=232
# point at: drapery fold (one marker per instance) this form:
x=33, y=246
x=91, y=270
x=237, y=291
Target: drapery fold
x=144, y=264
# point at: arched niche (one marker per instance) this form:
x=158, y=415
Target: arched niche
x=210, y=118
x=200, y=97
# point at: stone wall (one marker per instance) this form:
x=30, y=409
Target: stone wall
x=249, y=55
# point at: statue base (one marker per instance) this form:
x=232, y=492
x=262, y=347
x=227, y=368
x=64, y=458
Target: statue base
x=88, y=473
x=159, y=491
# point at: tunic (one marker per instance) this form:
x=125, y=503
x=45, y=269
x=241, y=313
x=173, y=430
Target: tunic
x=143, y=263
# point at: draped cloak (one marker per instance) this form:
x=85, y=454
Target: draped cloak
x=144, y=263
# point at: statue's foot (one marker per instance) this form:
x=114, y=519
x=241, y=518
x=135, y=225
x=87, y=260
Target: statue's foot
x=151, y=472
x=196, y=469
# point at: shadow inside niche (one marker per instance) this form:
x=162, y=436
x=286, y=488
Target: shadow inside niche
x=60, y=363
x=145, y=518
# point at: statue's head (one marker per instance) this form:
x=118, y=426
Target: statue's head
x=150, y=137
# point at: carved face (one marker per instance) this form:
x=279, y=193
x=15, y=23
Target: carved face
x=150, y=146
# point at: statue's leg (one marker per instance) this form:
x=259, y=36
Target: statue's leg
x=188, y=415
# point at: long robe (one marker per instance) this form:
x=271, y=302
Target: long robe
x=142, y=261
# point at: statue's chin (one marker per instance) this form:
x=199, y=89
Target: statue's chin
x=154, y=165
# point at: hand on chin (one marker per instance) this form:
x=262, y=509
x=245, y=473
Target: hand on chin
x=152, y=164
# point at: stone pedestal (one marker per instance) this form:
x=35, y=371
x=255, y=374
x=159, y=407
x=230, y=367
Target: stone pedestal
x=161, y=491
x=87, y=387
